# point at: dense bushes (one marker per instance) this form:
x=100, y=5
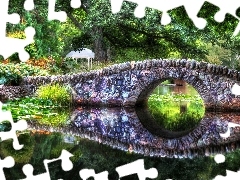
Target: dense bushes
x=11, y=74
x=59, y=94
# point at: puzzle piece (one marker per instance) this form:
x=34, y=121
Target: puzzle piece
x=61, y=15
x=227, y=133
x=75, y=3
x=29, y=5
x=87, y=173
x=20, y=125
x=235, y=89
x=231, y=175
x=8, y=162
x=226, y=7
x=66, y=166
x=137, y=167
x=53, y=15
x=7, y=43
x=192, y=8
x=219, y=158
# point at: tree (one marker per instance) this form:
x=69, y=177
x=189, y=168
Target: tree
x=105, y=32
x=51, y=38
x=119, y=31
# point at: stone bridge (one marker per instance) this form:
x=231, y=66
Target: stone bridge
x=130, y=83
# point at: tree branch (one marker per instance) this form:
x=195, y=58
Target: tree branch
x=74, y=20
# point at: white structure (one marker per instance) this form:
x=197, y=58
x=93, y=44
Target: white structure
x=85, y=53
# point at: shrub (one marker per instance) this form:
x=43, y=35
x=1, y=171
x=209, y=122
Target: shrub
x=57, y=93
x=11, y=74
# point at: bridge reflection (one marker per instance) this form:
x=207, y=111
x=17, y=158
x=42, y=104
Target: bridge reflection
x=122, y=128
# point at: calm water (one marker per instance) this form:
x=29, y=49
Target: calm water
x=104, y=138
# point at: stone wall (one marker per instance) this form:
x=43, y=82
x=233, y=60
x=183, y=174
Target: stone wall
x=13, y=92
x=131, y=83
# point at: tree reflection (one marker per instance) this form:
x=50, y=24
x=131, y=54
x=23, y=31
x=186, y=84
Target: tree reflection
x=92, y=155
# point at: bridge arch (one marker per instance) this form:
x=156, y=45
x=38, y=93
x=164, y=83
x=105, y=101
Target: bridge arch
x=182, y=74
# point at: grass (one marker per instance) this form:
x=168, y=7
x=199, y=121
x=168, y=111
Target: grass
x=166, y=110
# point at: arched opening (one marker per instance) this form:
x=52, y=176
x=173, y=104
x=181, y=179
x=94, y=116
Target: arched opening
x=175, y=106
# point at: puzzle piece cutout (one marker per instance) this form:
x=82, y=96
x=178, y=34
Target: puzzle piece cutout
x=87, y=173
x=219, y=158
x=235, y=89
x=137, y=167
x=66, y=166
x=7, y=162
x=192, y=8
x=18, y=126
x=231, y=175
x=228, y=132
x=61, y=15
x=7, y=43
x=29, y=5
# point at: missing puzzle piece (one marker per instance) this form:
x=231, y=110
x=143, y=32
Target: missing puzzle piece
x=18, y=126
x=137, y=167
x=66, y=164
x=18, y=44
x=8, y=162
x=8, y=45
x=192, y=8
x=219, y=20
x=226, y=7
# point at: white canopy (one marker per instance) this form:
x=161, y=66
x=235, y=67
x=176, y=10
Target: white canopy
x=85, y=53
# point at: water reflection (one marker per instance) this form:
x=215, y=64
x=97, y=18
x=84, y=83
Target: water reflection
x=123, y=129
x=178, y=87
x=91, y=155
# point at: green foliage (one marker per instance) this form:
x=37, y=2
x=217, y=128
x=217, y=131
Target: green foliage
x=52, y=37
x=22, y=156
x=217, y=54
x=122, y=34
x=56, y=118
x=178, y=39
x=67, y=66
x=45, y=111
x=166, y=111
x=59, y=94
x=11, y=74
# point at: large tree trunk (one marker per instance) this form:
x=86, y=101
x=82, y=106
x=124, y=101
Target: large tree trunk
x=99, y=46
x=96, y=33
